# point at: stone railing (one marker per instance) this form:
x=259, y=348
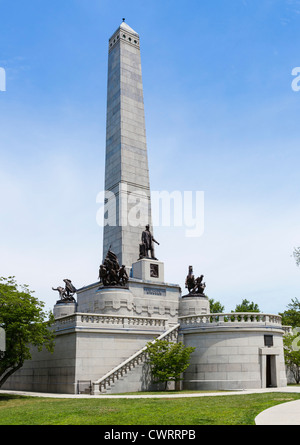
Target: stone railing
x=130, y=363
x=85, y=320
x=251, y=319
x=288, y=330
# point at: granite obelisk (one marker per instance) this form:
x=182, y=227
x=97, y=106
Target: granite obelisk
x=126, y=164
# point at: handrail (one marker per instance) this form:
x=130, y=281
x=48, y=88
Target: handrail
x=81, y=319
x=231, y=317
x=130, y=361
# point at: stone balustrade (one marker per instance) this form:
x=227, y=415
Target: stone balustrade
x=86, y=320
x=249, y=319
x=288, y=330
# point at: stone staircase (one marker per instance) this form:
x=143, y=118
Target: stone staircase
x=133, y=374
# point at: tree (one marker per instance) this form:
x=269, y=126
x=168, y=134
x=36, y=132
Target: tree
x=291, y=317
x=168, y=360
x=215, y=307
x=25, y=324
x=291, y=342
x=246, y=306
x=292, y=354
x=296, y=254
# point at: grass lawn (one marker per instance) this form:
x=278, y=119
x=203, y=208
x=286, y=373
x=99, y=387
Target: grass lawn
x=220, y=410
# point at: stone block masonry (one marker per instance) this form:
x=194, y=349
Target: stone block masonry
x=126, y=169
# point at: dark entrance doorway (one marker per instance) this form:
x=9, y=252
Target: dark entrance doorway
x=271, y=371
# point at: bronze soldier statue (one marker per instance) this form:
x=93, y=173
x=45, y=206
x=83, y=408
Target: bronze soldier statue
x=66, y=294
x=199, y=286
x=103, y=274
x=190, y=280
x=123, y=276
x=194, y=285
x=110, y=273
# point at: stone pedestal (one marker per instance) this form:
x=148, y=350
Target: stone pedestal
x=105, y=300
x=194, y=305
x=148, y=270
x=64, y=309
x=152, y=297
x=147, y=296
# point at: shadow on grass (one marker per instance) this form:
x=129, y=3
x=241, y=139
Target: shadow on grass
x=9, y=397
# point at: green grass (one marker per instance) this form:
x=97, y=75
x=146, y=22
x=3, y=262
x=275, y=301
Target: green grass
x=219, y=410
x=168, y=392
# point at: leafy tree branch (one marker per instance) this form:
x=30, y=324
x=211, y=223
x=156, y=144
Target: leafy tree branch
x=25, y=324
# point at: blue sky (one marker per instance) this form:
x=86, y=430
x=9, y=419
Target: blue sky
x=221, y=117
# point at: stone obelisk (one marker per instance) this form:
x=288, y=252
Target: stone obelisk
x=126, y=165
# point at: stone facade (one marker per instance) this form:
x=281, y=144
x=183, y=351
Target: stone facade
x=87, y=346
x=233, y=351
x=232, y=354
x=146, y=296
x=126, y=169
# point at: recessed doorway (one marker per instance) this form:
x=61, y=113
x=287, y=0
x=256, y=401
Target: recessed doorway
x=270, y=371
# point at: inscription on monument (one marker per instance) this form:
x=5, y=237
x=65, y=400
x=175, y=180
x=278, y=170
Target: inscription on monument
x=153, y=291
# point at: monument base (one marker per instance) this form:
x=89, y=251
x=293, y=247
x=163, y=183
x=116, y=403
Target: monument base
x=62, y=309
x=105, y=300
x=194, y=304
x=148, y=269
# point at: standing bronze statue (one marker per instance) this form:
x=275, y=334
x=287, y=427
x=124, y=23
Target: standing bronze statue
x=147, y=244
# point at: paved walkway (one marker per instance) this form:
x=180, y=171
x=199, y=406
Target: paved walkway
x=284, y=414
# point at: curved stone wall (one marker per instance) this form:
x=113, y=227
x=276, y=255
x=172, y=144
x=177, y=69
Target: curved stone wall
x=231, y=351
x=96, y=299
